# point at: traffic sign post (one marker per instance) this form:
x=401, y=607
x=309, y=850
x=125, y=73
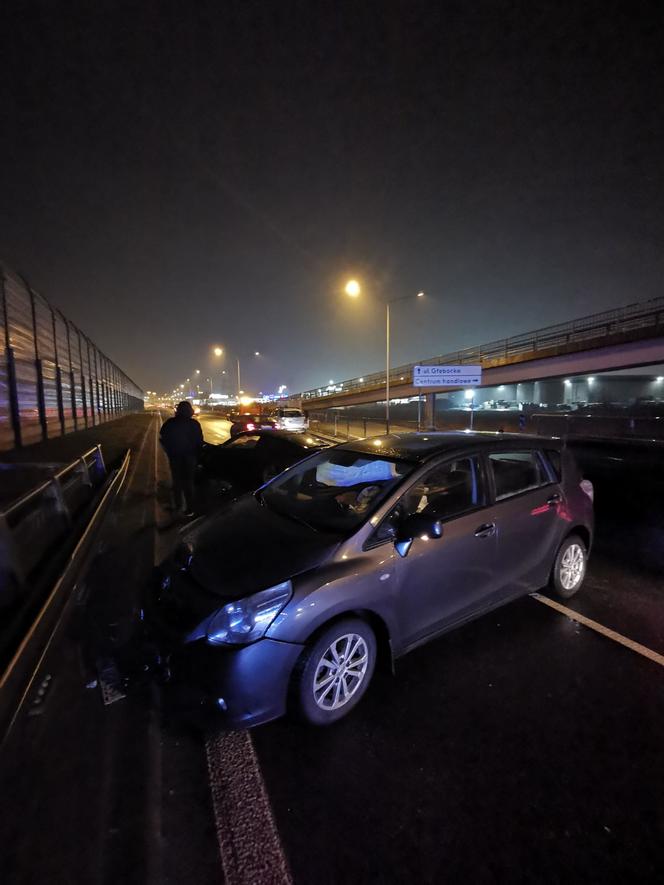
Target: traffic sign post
x=447, y=376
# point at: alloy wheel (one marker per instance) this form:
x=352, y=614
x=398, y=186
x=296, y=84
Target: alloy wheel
x=340, y=671
x=572, y=566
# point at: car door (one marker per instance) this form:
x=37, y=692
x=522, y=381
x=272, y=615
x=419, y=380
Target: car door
x=235, y=460
x=529, y=513
x=442, y=581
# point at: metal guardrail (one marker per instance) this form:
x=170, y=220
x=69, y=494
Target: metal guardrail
x=595, y=329
x=31, y=525
x=21, y=673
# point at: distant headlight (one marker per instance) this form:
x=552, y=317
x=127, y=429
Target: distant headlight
x=246, y=620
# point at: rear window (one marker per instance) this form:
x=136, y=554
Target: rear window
x=292, y=413
x=516, y=472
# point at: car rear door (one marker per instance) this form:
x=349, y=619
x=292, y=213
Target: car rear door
x=442, y=581
x=530, y=516
x=235, y=460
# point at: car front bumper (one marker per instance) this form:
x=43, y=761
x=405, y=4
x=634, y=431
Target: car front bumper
x=239, y=687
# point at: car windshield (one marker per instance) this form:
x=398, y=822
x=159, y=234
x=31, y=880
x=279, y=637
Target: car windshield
x=334, y=491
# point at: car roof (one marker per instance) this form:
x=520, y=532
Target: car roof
x=421, y=446
x=303, y=440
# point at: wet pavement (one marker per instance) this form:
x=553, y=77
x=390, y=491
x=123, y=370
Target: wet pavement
x=522, y=747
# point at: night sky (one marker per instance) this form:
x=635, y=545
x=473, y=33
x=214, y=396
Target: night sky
x=177, y=175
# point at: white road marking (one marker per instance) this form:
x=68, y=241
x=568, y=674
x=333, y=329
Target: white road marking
x=249, y=843
x=600, y=628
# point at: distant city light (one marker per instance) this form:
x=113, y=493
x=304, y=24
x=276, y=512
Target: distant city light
x=420, y=294
x=198, y=371
x=567, y=381
x=331, y=381
x=218, y=351
x=361, y=379
x=257, y=353
x=469, y=394
x=591, y=380
x=659, y=379
x=353, y=289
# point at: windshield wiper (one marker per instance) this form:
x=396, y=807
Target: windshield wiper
x=261, y=500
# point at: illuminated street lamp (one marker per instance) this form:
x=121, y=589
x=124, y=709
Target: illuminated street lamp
x=353, y=289
x=218, y=351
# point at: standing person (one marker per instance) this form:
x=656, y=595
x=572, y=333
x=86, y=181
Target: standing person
x=182, y=439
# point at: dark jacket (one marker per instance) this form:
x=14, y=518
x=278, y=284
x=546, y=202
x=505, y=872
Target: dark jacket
x=181, y=437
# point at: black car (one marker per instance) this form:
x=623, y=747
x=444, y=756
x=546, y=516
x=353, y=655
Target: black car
x=241, y=423
x=249, y=459
x=289, y=597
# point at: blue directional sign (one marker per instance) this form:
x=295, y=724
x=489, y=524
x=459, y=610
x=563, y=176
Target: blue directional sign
x=447, y=376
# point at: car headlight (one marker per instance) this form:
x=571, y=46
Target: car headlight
x=246, y=620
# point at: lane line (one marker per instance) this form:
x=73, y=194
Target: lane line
x=643, y=650
x=249, y=843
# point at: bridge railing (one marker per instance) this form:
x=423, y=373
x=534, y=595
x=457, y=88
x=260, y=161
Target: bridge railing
x=571, y=335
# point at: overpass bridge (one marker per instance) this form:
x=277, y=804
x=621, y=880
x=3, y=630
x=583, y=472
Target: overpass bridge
x=625, y=337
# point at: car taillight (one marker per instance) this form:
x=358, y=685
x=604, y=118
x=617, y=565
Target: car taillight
x=587, y=488
x=251, y=426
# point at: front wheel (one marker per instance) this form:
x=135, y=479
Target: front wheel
x=569, y=569
x=334, y=673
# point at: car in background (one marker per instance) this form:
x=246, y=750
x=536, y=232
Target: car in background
x=290, y=419
x=251, y=458
x=289, y=598
x=250, y=422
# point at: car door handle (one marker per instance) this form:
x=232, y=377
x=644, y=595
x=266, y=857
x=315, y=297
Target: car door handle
x=486, y=530
x=554, y=499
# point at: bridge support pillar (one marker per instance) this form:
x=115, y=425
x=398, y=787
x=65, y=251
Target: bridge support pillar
x=429, y=417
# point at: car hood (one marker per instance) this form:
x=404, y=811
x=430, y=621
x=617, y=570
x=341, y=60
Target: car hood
x=247, y=547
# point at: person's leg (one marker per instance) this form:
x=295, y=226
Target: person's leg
x=188, y=475
x=178, y=490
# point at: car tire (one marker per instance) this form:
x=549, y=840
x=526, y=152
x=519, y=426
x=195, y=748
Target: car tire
x=569, y=568
x=325, y=704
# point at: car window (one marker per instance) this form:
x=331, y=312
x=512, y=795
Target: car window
x=554, y=459
x=292, y=413
x=446, y=491
x=516, y=472
x=245, y=442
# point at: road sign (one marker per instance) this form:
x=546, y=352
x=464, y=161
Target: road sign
x=447, y=376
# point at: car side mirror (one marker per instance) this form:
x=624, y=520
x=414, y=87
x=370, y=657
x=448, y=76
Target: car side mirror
x=417, y=525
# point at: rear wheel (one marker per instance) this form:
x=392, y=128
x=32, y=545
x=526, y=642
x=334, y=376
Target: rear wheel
x=334, y=673
x=569, y=569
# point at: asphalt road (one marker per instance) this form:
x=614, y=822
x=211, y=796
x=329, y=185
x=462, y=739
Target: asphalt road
x=215, y=430
x=523, y=747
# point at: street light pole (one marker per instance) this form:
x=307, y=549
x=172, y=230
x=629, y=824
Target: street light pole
x=387, y=367
x=353, y=289
x=239, y=385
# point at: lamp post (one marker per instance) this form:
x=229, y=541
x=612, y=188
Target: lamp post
x=218, y=351
x=353, y=289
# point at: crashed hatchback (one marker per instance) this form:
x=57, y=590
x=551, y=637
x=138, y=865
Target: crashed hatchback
x=287, y=599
